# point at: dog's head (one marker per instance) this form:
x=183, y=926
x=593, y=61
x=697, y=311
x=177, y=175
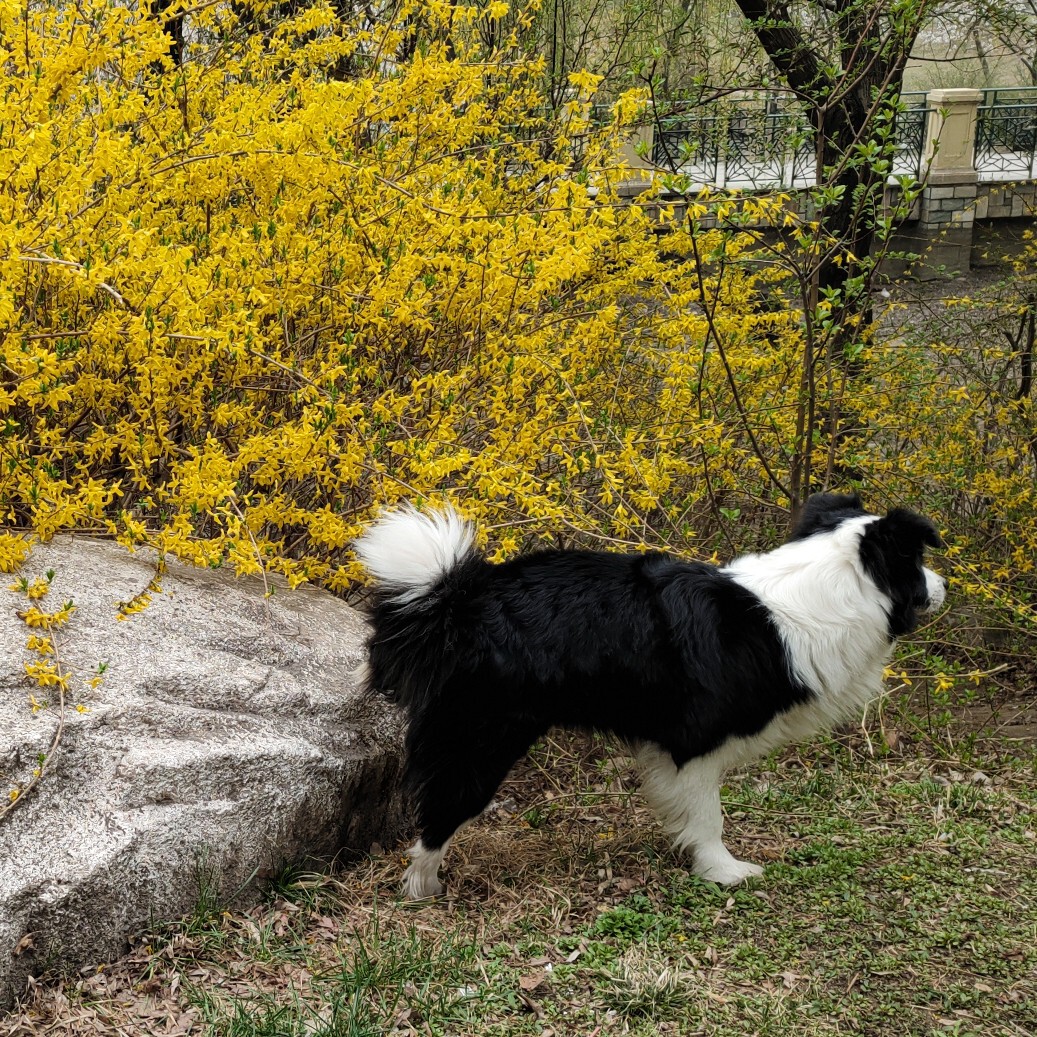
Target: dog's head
x=891, y=551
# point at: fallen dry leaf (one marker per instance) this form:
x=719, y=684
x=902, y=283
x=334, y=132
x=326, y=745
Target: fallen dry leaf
x=532, y=981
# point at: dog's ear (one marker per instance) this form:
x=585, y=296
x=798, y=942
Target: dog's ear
x=909, y=531
x=824, y=511
x=891, y=551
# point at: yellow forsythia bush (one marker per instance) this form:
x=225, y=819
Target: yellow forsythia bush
x=243, y=300
x=950, y=419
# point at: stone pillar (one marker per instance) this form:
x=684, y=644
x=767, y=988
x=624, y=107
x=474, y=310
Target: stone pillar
x=639, y=169
x=950, y=138
x=639, y=139
x=948, y=203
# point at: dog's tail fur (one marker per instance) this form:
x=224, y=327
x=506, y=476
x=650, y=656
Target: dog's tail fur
x=408, y=551
x=418, y=559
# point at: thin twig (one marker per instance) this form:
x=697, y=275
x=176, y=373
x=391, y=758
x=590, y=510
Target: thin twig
x=73, y=265
x=48, y=756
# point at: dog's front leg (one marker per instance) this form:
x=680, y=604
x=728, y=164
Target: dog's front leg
x=687, y=803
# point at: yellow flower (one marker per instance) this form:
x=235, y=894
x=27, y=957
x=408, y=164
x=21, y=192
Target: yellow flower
x=33, y=617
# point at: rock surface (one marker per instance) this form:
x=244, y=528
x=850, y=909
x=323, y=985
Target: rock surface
x=226, y=740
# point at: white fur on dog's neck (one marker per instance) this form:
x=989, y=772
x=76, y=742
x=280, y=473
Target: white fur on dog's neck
x=830, y=614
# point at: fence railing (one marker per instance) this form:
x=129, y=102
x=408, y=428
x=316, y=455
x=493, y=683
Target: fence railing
x=765, y=143
x=1006, y=135
x=738, y=147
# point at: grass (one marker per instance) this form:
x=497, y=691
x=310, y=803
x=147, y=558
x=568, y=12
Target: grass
x=899, y=898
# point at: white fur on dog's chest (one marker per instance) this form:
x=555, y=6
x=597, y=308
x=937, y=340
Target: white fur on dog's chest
x=831, y=619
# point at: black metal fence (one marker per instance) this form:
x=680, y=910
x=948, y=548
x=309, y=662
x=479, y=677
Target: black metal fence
x=757, y=143
x=737, y=145
x=1006, y=134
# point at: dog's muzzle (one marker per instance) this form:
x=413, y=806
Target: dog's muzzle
x=936, y=589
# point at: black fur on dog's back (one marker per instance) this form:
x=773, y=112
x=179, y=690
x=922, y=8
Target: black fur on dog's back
x=645, y=646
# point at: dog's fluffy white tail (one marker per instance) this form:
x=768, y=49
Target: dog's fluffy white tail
x=409, y=551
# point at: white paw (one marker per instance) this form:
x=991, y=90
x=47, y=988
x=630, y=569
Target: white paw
x=418, y=884
x=727, y=871
x=421, y=879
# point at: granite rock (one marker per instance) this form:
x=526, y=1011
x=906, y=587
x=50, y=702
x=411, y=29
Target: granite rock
x=227, y=739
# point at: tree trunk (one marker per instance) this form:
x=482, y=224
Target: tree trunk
x=849, y=82
x=174, y=26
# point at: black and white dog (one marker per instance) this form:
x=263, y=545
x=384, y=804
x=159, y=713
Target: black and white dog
x=700, y=668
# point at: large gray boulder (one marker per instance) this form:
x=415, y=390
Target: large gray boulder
x=227, y=739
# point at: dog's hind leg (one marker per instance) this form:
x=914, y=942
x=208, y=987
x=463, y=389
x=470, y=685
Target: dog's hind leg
x=421, y=879
x=687, y=802
x=453, y=781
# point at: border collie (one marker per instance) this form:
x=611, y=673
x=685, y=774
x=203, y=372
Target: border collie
x=699, y=668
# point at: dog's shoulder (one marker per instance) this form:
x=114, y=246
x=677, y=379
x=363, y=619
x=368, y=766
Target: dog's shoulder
x=700, y=590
